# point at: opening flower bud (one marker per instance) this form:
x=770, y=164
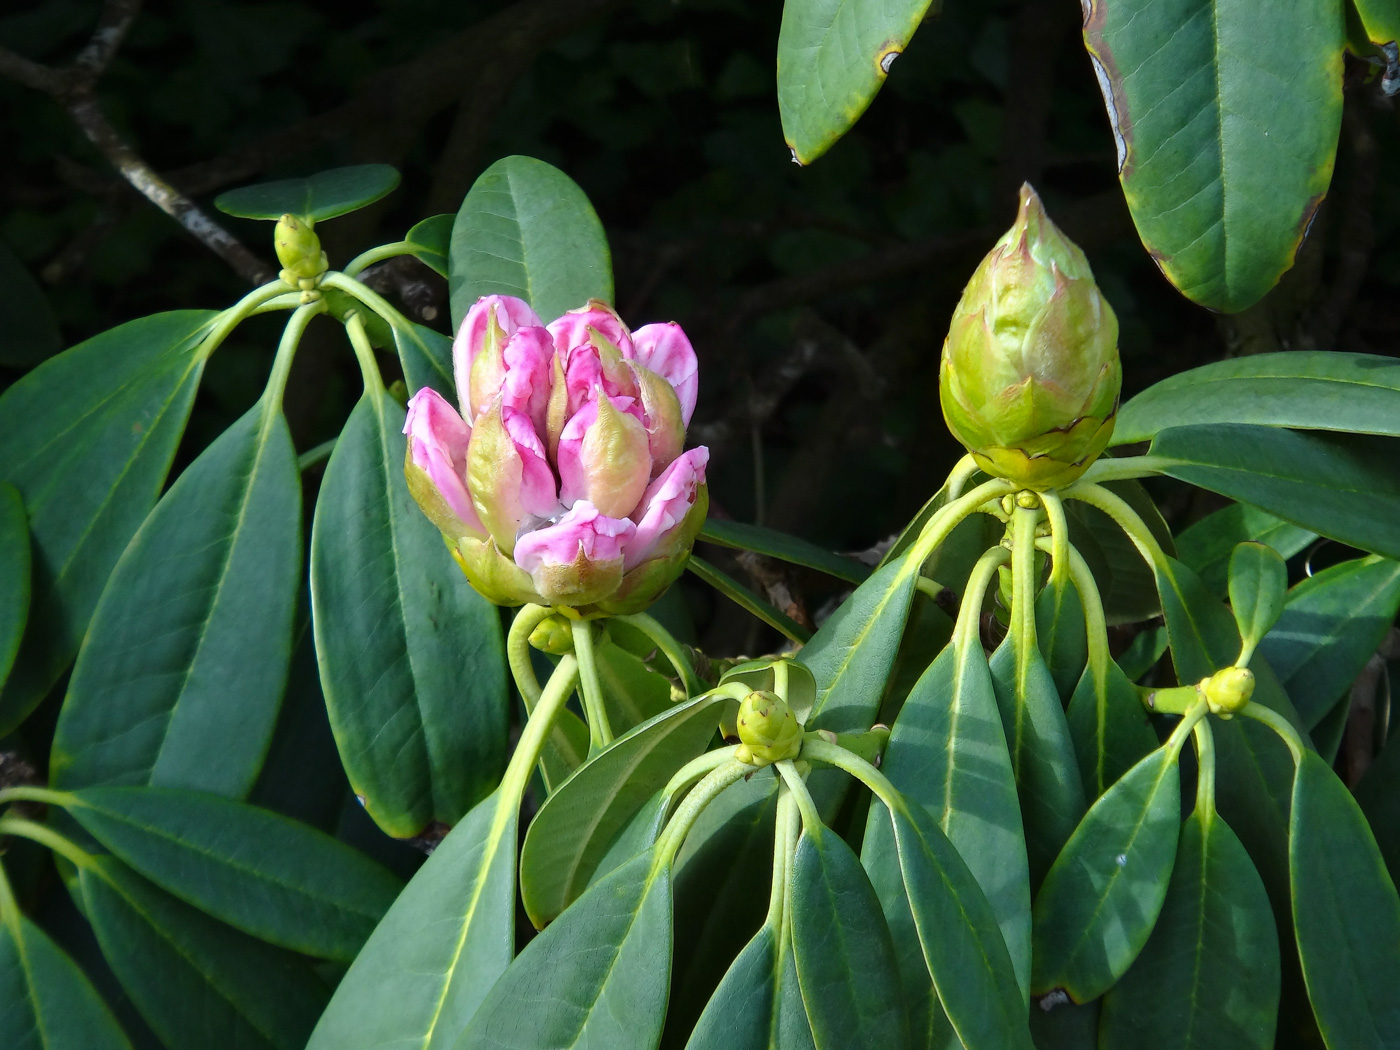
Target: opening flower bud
x=768, y=730
x=553, y=635
x=1030, y=374
x=298, y=250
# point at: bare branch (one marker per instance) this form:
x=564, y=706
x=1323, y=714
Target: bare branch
x=112, y=27
x=31, y=74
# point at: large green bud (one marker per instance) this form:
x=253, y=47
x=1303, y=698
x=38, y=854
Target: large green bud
x=1030, y=374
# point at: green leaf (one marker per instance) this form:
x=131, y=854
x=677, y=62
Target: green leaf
x=1209, y=974
x=746, y=599
x=431, y=239
x=181, y=675
x=195, y=981
x=851, y=656
x=845, y=957
x=1341, y=485
x=1304, y=389
x=1109, y=726
x=1042, y=755
x=1226, y=121
x=1258, y=585
x=1146, y=649
x=321, y=196
x=258, y=871
x=1101, y=897
x=786, y=548
x=438, y=950
x=758, y=1005
x=87, y=438
x=46, y=1002
x=412, y=659
x=1381, y=18
x=1059, y=629
x=14, y=576
x=1346, y=914
x=578, y=822
x=632, y=691
x=526, y=229
x=833, y=56
x=28, y=329
x=426, y=357
x=1125, y=582
x=1207, y=545
x=1378, y=795
x=596, y=977
x=947, y=752
x=1331, y=625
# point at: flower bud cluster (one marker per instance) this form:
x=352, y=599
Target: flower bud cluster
x=561, y=476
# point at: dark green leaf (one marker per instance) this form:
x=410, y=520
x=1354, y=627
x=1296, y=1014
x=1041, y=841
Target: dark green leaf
x=1207, y=545
x=14, y=576
x=28, y=329
x=46, y=1002
x=526, y=229
x=1306, y=389
x=577, y=823
x=1258, y=584
x=1378, y=795
x=1327, y=734
x=1146, y=649
x=181, y=675
x=758, y=1005
x=87, y=438
x=786, y=548
x=845, y=957
x=632, y=691
x=197, y=982
x=438, y=950
x=431, y=239
x=1346, y=914
x=746, y=599
x=412, y=659
x=1059, y=628
x=597, y=977
x=1109, y=726
x=426, y=357
x=1341, y=485
x=1209, y=975
x=1331, y=625
x=1223, y=154
x=1125, y=582
x=1101, y=897
x=952, y=562
x=260, y=872
x=833, y=56
x=321, y=196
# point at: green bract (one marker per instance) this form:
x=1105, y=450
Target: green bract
x=1030, y=374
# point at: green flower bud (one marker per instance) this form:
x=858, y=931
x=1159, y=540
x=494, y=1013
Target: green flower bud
x=299, y=252
x=1228, y=690
x=1030, y=374
x=554, y=635
x=768, y=730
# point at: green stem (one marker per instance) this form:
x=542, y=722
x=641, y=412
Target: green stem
x=9, y=906
x=1279, y=725
x=670, y=648
x=877, y=782
x=965, y=631
x=1205, y=761
x=1177, y=740
x=1095, y=624
x=537, y=728
x=316, y=455
x=518, y=652
x=374, y=255
x=951, y=515
x=705, y=792
x=1059, y=539
x=236, y=314
x=46, y=836
x=600, y=733
x=34, y=793
x=285, y=301
x=811, y=819
x=694, y=771
x=282, y=363
x=1127, y=519
x=929, y=588
x=364, y=353
x=1023, y=581
x=960, y=475
x=1125, y=469
x=784, y=841
x=372, y=299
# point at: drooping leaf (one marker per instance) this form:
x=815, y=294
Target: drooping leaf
x=746, y=599
x=1207, y=545
x=426, y=357
x=1147, y=648
x=46, y=1002
x=758, y=1005
x=194, y=980
x=412, y=659
x=28, y=329
x=14, y=576
x=1340, y=485
x=1226, y=122
x=269, y=876
x=1258, y=584
x=526, y=229
x=1101, y=898
x=632, y=692
x=431, y=239
x=1059, y=628
x=1125, y=582
x=181, y=675
x=87, y=438
x=438, y=950
x=321, y=196
x=1378, y=795
x=1209, y=974
x=1304, y=389
x=1109, y=726
x=786, y=548
x=596, y=977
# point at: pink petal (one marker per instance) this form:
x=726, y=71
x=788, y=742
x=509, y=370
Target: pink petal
x=665, y=349
x=538, y=491
x=438, y=438
x=529, y=360
x=584, y=529
x=511, y=314
x=665, y=503
x=572, y=329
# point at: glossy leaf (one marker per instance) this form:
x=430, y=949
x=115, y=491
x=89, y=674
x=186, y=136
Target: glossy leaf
x=578, y=822
x=28, y=329
x=194, y=980
x=845, y=957
x=1341, y=485
x=952, y=562
x=14, y=576
x=1332, y=624
x=424, y=971
x=46, y=1002
x=780, y=545
x=269, y=876
x=1209, y=975
x=1346, y=914
x=758, y=1005
x=87, y=438
x=431, y=239
x=1258, y=584
x=181, y=675
x=1226, y=122
x=1146, y=650
x=596, y=977
x=1101, y=898
x=746, y=599
x=1109, y=726
x=426, y=358
x=526, y=229
x=1125, y=582
x=1059, y=629
x=321, y=196
x=412, y=659
x=1381, y=19
x=1207, y=545
x=1304, y=389
x=833, y=56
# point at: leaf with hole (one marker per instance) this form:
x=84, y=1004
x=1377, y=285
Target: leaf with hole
x=324, y=195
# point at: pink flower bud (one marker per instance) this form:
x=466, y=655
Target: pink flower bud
x=661, y=413
x=665, y=350
x=577, y=559
x=591, y=325
x=604, y=456
x=437, y=464
x=508, y=474
x=487, y=329
x=664, y=506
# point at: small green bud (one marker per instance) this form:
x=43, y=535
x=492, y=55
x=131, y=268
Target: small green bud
x=1228, y=690
x=553, y=635
x=299, y=252
x=768, y=730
